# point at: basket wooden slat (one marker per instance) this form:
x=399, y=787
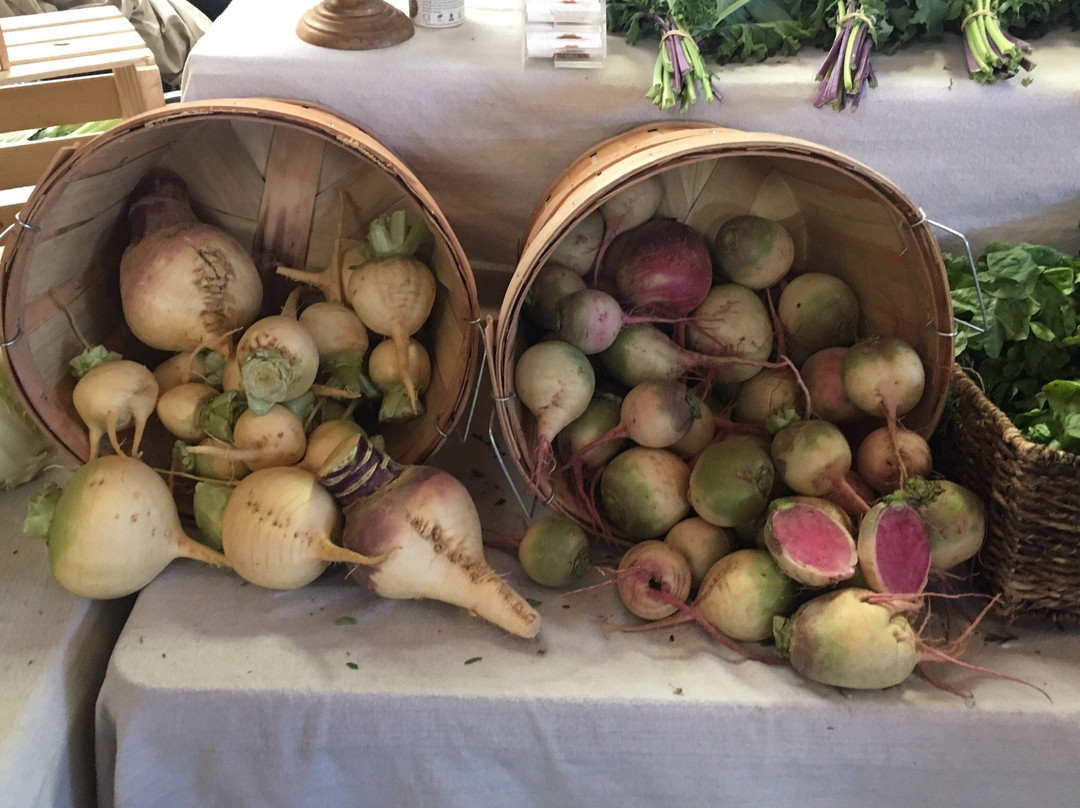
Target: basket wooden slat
x=272, y=173
x=845, y=219
x=1031, y=554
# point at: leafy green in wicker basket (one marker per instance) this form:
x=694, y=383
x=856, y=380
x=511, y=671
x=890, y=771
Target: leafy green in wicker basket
x=1027, y=358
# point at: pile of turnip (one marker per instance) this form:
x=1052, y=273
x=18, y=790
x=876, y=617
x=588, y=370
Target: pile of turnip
x=715, y=408
x=274, y=415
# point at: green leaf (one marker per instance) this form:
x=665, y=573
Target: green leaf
x=345, y=620
x=90, y=358
x=40, y=510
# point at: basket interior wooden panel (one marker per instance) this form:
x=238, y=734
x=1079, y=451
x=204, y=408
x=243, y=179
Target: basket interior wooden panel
x=71, y=258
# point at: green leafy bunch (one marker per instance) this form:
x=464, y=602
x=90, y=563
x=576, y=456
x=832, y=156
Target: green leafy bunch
x=1028, y=356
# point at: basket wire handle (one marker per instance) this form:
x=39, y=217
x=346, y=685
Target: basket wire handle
x=974, y=274
x=479, y=323
x=498, y=396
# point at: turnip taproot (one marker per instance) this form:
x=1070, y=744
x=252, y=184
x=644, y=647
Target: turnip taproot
x=848, y=638
x=809, y=543
x=112, y=529
x=732, y=321
x=817, y=311
x=753, y=251
x=731, y=482
x=644, y=492
x=280, y=528
x=427, y=522
x=894, y=548
x=555, y=382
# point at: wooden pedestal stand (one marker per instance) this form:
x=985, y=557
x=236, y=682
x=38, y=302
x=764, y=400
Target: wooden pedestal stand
x=354, y=25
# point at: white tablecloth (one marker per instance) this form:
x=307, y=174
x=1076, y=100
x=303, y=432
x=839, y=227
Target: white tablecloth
x=53, y=651
x=486, y=134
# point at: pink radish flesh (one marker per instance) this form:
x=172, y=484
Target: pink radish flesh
x=894, y=549
x=810, y=546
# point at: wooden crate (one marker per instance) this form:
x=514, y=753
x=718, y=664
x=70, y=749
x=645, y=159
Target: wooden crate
x=66, y=67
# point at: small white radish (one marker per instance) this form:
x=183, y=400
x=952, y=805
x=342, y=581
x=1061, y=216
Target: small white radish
x=112, y=396
x=180, y=409
x=883, y=376
x=648, y=568
x=754, y=251
x=813, y=458
x=579, y=248
x=765, y=392
x=702, y=544
x=644, y=492
x=732, y=321
x=817, y=311
x=630, y=207
x=554, y=381
x=280, y=529
x=426, y=523
x=552, y=283
x=112, y=529
x=275, y=438
x=388, y=377
x=886, y=458
x=731, y=482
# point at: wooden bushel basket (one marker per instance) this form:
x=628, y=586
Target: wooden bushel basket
x=270, y=172
x=845, y=219
x=1031, y=554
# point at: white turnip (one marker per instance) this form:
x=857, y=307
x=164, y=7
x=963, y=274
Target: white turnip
x=342, y=342
x=112, y=529
x=628, y=208
x=426, y=523
x=184, y=284
x=326, y=437
x=280, y=528
x=112, y=396
x=190, y=366
x=765, y=392
x=275, y=438
x=180, y=409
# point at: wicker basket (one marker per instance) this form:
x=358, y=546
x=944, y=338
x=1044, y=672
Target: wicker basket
x=845, y=219
x=1031, y=554
x=268, y=171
